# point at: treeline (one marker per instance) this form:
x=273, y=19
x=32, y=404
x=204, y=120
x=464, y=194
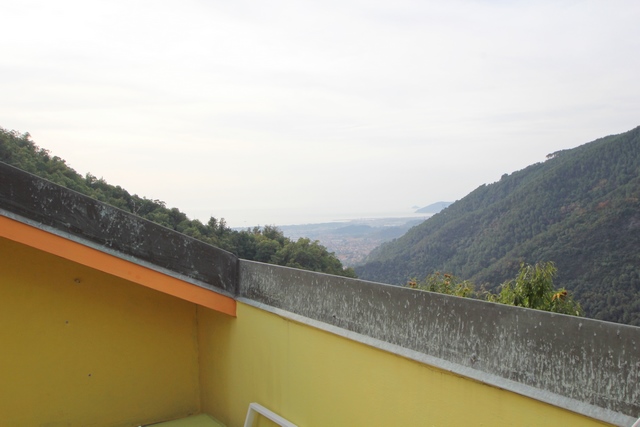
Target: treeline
x=264, y=244
x=532, y=288
x=580, y=208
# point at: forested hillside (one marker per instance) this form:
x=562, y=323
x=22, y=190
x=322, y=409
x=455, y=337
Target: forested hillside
x=580, y=209
x=266, y=244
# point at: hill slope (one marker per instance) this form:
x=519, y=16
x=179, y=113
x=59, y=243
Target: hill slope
x=580, y=209
x=266, y=244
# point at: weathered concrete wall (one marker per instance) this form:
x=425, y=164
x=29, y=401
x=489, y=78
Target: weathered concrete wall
x=318, y=379
x=58, y=209
x=587, y=366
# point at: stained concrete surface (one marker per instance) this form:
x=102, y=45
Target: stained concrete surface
x=589, y=361
x=82, y=217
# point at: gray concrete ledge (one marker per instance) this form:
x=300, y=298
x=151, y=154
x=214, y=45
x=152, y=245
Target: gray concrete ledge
x=116, y=254
x=113, y=230
x=584, y=365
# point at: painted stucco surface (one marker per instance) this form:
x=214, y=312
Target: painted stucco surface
x=83, y=348
x=315, y=378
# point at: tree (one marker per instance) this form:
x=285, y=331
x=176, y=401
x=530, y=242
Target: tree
x=533, y=288
x=444, y=284
x=266, y=244
x=309, y=255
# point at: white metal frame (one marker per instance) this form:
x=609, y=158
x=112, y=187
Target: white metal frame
x=256, y=408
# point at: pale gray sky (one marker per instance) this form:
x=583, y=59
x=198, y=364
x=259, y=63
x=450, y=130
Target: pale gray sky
x=274, y=112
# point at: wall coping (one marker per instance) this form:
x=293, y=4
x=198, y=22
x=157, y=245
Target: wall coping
x=587, y=366
x=584, y=365
x=40, y=203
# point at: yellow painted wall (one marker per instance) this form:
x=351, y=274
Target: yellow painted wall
x=314, y=378
x=83, y=348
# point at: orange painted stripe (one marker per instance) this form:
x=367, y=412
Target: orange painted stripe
x=76, y=252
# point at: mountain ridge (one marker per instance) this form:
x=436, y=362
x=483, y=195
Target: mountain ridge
x=580, y=208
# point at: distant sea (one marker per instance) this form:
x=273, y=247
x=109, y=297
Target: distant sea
x=261, y=217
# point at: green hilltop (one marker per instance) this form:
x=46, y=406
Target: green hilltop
x=580, y=209
x=267, y=244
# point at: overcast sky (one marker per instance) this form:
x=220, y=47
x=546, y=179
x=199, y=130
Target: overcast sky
x=275, y=112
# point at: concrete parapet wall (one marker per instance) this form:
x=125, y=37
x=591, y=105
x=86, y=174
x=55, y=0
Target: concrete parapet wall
x=587, y=366
x=43, y=204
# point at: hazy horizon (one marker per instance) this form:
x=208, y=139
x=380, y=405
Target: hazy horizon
x=280, y=218
x=316, y=109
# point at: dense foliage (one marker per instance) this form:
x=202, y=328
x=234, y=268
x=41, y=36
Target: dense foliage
x=532, y=288
x=444, y=283
x=266, y=244
x=580, y=208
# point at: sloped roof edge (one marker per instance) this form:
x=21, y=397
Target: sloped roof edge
x=38, y=203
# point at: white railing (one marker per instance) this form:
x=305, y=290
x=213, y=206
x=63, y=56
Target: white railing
x=256, y=408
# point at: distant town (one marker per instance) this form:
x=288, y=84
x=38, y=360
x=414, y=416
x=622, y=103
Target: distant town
x=352, y=241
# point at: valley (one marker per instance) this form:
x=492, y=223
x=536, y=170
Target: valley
x=353, y=240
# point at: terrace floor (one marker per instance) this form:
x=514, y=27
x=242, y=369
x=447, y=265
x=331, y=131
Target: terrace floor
x=202, y=420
